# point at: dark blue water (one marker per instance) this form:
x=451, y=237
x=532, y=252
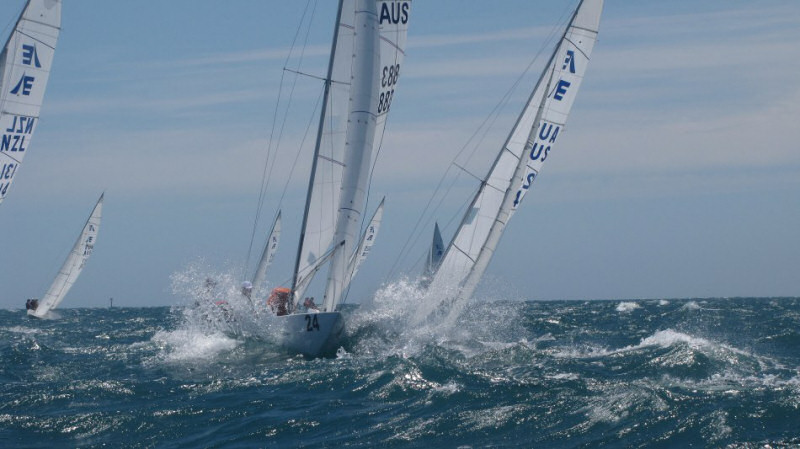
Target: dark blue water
x=677, y=373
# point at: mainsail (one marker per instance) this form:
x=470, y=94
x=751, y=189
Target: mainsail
x=24, y=69
x=73, y=266
x=366, y=55
x=520, y=160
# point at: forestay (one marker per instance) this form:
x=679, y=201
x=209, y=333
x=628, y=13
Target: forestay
x=517, y=165
x=24, y=69
x=73, y=266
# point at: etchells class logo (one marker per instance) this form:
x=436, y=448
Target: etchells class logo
x=563, y=85
x=30, y=57
x=24, y=85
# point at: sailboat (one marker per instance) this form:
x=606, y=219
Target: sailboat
x=268, y=255
x=24, y=69
x=363, y=71
x=71, y=268
x=434, y=257
x=516, y=167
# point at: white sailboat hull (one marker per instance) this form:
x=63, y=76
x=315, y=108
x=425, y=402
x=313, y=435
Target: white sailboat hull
x=312, y=334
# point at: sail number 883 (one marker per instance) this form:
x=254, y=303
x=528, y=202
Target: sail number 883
x=389, y=76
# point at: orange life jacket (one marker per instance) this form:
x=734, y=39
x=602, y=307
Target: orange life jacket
x=279, y=300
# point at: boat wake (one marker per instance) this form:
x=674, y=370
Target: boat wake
x=389, y=325
x=212, y=318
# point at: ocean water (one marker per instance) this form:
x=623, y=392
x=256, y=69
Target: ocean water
x=551, y=374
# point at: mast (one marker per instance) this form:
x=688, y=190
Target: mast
x=328, y=81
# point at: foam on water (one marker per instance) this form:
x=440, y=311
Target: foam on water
x=22, y=330
x=393, y=315
x=562, y=374
x=691, y=305
x=627, y=306
x=190, y=345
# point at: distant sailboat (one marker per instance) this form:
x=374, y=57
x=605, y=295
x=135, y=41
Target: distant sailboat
x=516, y=166
x=363, y=71
x=268, y=255
x=24, y=68
x=434, y=258
x=71, y=268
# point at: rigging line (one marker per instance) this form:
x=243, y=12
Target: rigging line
x=464, y=204
x=414, y=235
x=291, y=94
x=14, y=19
x=403, y=252
x=315, y=76
x=300, y=147
x=495, y=112
x=453, y=217
x=265, y=177
x=463, y=169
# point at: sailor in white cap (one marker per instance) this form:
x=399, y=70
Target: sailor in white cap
x=247, y=289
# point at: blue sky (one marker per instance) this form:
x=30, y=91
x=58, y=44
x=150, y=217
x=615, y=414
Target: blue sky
x=678, y=176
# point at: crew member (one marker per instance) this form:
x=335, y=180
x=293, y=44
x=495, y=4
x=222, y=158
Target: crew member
x=278, y=301
x=308, y=303
x=247, y=289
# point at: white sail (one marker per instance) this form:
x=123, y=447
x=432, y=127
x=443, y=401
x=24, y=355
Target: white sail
x=24, y=69
x=434, y=259
x=366, y=242
x=521, y=158
x=378, y=54
x=358, y=147
x=324, y=191
x=363, y=70
x=74, y=264
x=269, y=253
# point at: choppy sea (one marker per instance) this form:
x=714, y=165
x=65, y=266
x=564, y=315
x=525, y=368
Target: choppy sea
x=549, y=374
